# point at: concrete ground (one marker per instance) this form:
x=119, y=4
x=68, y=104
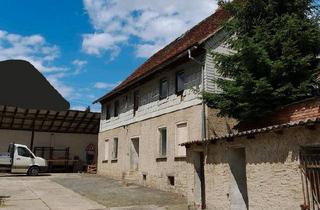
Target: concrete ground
x=82, y=192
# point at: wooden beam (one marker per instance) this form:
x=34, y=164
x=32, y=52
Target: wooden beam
x=44, y=119
x=2, y=117
x=79, y=123
x=95, y=127
x=32, y=140
x=72, y=121
x=90, y=121
x=53, y=120
x=63, y=120
x=34, y=119
x=25, y=114
x=13, y=117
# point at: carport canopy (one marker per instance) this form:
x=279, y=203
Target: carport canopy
x=69, y=121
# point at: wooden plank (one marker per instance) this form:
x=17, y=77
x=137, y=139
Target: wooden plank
x=13, y=117
x=63, y=120
x=45, y=118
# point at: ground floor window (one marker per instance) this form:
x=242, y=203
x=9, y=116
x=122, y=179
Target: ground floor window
x=163, y=142
x=106, y=150
x=115, y=148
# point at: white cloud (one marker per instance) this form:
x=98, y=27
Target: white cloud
x=154, y=22
x=63, y=89
x=79, y=65
x=97, y=43
x=103, y=85
x=33, y=48
x=81, y=108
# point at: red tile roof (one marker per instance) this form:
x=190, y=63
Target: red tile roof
x=194, y=36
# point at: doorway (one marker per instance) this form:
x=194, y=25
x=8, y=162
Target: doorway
x=238, y=179
x=134, y=154
x=199, y=179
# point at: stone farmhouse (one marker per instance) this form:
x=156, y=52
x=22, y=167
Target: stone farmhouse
x=146, y=118
x=156, y=131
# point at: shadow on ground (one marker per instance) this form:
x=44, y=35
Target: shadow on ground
x=112, y=193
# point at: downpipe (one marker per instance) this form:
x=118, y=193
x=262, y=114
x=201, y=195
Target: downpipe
x=203, y=113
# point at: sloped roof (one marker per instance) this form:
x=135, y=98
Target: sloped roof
x=193, y=37
x=68, y=121
x=303, y=122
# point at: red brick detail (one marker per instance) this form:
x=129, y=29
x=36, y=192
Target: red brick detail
x=294, y=112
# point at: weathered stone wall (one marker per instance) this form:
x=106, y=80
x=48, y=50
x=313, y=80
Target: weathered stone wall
x=272, y=169
x=218, y=126
x=156, y=170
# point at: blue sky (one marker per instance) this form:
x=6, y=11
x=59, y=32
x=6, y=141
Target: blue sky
x=85, y=48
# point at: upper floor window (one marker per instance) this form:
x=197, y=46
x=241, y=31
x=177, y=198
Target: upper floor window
x=107, y=112
x=180, y=82
x=163, y=91
x=136, y=99
x=163, y=142
x=116, y=109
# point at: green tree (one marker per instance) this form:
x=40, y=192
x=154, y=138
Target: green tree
x=276, y=44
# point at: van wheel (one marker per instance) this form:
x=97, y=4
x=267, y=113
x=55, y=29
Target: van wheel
x=33, y=171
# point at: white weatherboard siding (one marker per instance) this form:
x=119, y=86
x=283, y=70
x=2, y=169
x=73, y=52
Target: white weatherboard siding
x=150, y=105
x=215, y=44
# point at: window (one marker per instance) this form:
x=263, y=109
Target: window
x=163, y=142
x=107, y=107
x=181, y=137
x=24, y=152
x=163, y=91
x=116, y=109
x=171, y=180
x=180, y=81
x=115, y=148
x=106, y=150
x=136, y=99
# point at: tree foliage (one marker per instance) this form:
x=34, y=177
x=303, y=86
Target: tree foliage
x=275, y=44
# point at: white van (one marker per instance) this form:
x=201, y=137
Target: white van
x=20, y=159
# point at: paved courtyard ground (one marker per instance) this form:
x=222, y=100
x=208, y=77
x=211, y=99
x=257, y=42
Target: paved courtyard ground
x=82, y=192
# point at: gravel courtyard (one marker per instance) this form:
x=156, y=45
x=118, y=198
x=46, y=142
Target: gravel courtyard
x=82, y=192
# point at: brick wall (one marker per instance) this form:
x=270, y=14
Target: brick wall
x=302, y=110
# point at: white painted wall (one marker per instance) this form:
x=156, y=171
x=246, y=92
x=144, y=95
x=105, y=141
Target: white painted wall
x=76, y=142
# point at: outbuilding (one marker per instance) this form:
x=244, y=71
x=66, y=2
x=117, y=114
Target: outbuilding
x=274, y=166
x=34, y=113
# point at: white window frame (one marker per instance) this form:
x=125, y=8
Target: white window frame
x=115, y=151
x=160, y=151
x=106, y=150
